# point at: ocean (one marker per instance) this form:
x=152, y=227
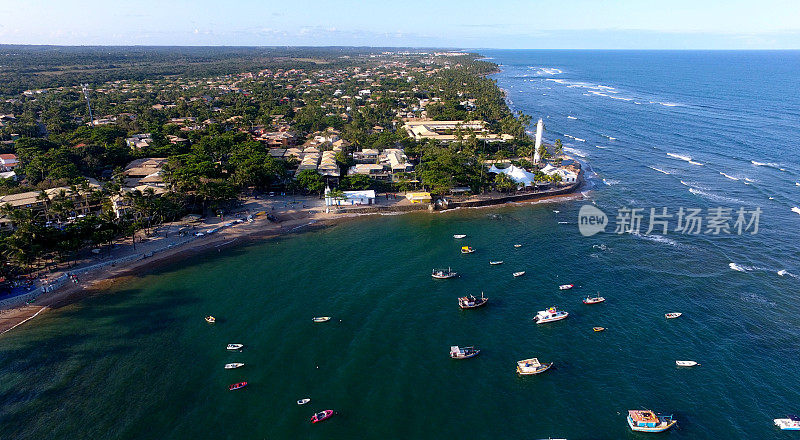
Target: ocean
x=652, y=129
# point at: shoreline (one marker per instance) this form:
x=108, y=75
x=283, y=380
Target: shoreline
x=97, y=281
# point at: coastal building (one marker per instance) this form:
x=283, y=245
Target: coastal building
x=8, y=162
x=567, y=175
x=366, y=197
x=145, y=171
x=139, y=141
x=448, y=131
x=518, y=175
x=81, y=201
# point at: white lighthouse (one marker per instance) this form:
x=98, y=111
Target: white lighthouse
x=538, y=145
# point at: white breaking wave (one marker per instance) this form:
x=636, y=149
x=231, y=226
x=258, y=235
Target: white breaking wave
x=543, y=71
x=714, y=197
x=764, y=164
x=601, y=147
x=579, y=139
x=796, y=210
x=784, y=272
x=575, y=151
x=657, y=239
x=659, y=170
x=729, y=176
x=736, y=267
x=680, y=156
x=695, y=163
x=611, y=138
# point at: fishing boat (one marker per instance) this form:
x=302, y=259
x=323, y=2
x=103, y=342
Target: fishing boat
x=599, y=329
x=495, y=263
x=321, y=319
x=459, y=235
x=471, y=302
x=441, y=274
x=322, y=415
x=467, y=250
x=565, y=286
x=457, y=352
x=235, y=346
x=517, y=245
x=595, y=300
x=303, y=401
x=519, y=274
x=790, y=423
x=532, y=366
x=552, y=314
x=686, y=363
x=672, y=315
x=233, y=365
x=237, y=386
x=210, y=319
x=648, y=421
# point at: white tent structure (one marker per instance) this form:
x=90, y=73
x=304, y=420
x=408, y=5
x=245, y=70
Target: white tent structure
x=518, y=175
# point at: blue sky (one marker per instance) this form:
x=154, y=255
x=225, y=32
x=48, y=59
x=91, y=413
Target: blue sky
x=533, y=24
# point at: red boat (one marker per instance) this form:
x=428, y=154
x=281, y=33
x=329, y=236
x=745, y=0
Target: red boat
x=237, y=386
x=322, y=415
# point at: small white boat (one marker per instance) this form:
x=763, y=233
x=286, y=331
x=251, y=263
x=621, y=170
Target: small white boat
x=552, y=314
x=321, y=319
x=441, y=274
x=303, y=401
x=566, y=286
x=495, y=263
x=517, y=245
x=686, y=363
x=235, y=346
x=460, y=236
x=210, y=319
x=672, y=315
x=790, y=423
x=233, y=365
x=519, y=274
x=595, y=300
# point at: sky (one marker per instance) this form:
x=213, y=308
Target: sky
x=510, y=24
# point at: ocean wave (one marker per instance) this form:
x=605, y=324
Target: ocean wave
x=764, y=164
x=601, y=246
x=545, y=71
x=611, y=138
x=601, y=147
x=610, y=182
x=660, y=170
x=784, y=272
x=680, y=157
x=656, y=238
x=695, y=163
x=575, y=151
x=736, y=267
x=729, y=176
x=715, y=197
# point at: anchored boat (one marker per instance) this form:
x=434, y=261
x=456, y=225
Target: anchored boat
x=565, y=287
x=322, y=415
x=457, y=352
x=321, y=319
x=518, y=274
x=467, y=250
x=303, y=401
x=517, y=245
x=532, y=366
x=790, y=423
x=552, y=314
x=237, y=386
x=495, y=263
x=595, y=300
x=235, y=346
x=233, y=365
x=459, y=235
x=471, y=302
x=672, y=315
x=210, y=319
x=441, y=274
x=599, y=329
x=648, y=421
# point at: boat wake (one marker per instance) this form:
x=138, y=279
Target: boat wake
x=657, y=239
x=714, y=197
x=610, y=182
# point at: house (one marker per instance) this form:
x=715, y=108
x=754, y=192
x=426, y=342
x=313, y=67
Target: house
x=448, y=131
x=8, y=162
x=328, y=166
x=396, y=160
x=146, y=171
x=373, y=170
x=366, y=197
x=367, y=155
x=40, y=201
x=567, y=176
x=139, y=141
x=121, y=205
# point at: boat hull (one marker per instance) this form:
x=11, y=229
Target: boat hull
x=540, y=370
x=663, y=426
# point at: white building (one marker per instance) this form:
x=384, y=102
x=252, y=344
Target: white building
x=366, y=197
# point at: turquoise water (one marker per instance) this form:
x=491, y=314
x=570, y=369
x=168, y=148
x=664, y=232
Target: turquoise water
x=140, y=362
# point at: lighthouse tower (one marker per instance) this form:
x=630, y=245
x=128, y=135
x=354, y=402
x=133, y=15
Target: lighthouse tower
x=538, y=145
